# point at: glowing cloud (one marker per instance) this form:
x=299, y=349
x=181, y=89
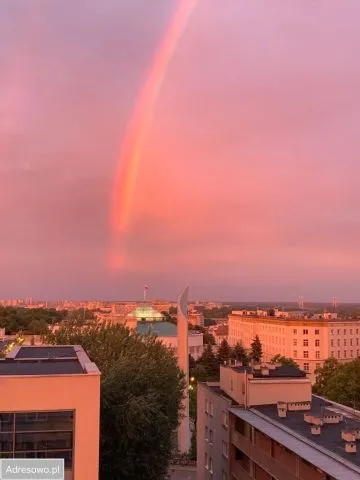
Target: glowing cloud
x=133, y=144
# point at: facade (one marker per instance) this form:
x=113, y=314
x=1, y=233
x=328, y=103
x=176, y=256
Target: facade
x=196, y=318
x=220, y=332
x=50, y=408
x=275, y=429
x=212, y=432
x=308, y=341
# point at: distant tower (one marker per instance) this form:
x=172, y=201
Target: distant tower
x=301, y=303
x=146, y=289
x=334, y=302
x=183, y=362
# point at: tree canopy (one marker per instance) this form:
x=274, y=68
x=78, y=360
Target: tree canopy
x=141, y=392
x=256, y=349
x=239, y=353
x=284, y=360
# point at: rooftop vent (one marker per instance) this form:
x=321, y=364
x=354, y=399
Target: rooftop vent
x=282, y=409
x=348, y=435
x=265, y=371
x=299, y=406
x=350, y=447
x=315, y=429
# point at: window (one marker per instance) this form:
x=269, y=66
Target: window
x=305, y=342
x=295, y=353
x=332, y=343
x=294, y=342
x=338, y=332
x=338, y=353
x=332, y=332
x=350, y=331
x=344, y=353
x=338, y=342
x=350, y=342
x=357, y=342
x=210, y=465
x=225, y=449
x=357, y=331
x=206, y=461
x=211, y=409
x=317, y=354
x=332, y=354
x=306, y=367
x=317, y=343
x=305, y=354
x=344, y=343
x=37, y=435
x=305, y=332
x=344, y=331
x=295, y=331
x=351, y=353
x=207, y=434
x=225, y=419
x=317, y=332
x=211, y=436
x=206, y=405
x=318, y=365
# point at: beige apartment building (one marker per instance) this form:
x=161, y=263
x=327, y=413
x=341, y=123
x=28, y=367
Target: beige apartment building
x=263, y=423
x=50, y=408
x=308, y=341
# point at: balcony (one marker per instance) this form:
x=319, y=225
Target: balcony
x=239, y=472
x=268, y=463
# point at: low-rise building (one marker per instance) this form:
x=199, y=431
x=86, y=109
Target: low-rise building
x=269, y=426
x=50, y=407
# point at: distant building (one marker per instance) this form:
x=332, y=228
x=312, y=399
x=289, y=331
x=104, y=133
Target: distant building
x=196, y=318
x=263, y=423
x=309, y=341
x=50, y=407
x=219, y=332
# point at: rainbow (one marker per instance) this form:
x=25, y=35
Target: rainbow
x=136, y=133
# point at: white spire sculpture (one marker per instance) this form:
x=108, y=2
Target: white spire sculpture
x=183, y=361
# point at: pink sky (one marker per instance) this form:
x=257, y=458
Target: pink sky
x=248, y=186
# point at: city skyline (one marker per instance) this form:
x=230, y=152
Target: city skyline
x=253, y=145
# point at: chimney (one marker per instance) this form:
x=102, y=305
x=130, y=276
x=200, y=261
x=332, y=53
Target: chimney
x=282, y=409
x=348, y=435
x=315, y=429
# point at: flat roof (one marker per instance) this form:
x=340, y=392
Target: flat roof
x=47, y=360
x=325, y=451
x=46, y=352
x=330, y=436
x=282, y=371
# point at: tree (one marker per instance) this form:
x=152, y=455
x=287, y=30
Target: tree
x=192, y=363
x=342, y=385
x=324, y=374
x=209, y=362
x=284, y=360
x=209, y=338
x=239, y=353
x=256, y=349
x=141, y=393
x=224, y=352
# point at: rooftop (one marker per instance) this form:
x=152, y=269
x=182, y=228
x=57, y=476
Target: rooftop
x=51, y=360
x=146, y=313
x=330, y=436
x=160, y=329
x=281, y=371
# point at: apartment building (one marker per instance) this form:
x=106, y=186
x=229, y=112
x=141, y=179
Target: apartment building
x=309, y=341
x=267, y=425
x=50, y=408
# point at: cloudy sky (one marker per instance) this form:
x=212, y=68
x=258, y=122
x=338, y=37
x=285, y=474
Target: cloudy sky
x=248, y=185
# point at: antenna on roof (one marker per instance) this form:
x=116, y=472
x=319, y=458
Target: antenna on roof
x=301, y=303
x=146, y=289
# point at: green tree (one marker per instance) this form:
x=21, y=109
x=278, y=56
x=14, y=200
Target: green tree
x=239, y=353
x=256, y=349
x=141, y=391
x=343, y=384
x=209, y=338
x=209, y=362
x=323, y=375
x=224, y=352
x=284, y=360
